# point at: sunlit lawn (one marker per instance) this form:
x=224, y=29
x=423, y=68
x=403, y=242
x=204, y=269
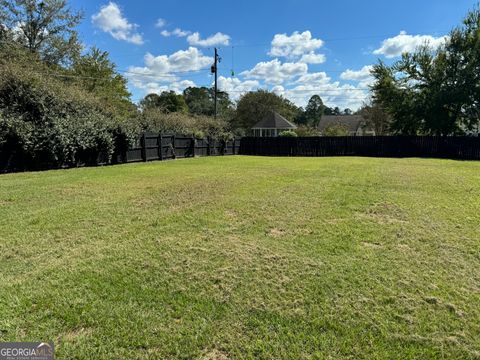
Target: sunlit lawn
x=242, y=257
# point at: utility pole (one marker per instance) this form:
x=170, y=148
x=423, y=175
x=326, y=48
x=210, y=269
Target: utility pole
x=215, y=71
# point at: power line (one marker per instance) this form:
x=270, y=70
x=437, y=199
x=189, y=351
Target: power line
x=170, y=74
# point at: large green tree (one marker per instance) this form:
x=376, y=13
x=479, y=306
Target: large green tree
x=434, y=91
x=166, y=102
x=200, y=101
x=314, y=111
x=376, y=118
x=97, y=74
x=463, y=52
x=46, y=28
x=254, y=106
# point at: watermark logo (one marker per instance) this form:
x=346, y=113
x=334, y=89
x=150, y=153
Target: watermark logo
x=27, y=351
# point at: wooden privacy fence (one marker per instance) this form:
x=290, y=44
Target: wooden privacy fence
x=449, y=147
x=154, y=146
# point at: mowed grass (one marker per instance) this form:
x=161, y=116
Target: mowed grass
x=245, y=257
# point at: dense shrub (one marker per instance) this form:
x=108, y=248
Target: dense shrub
x=288, y=133
x=199, y=126
x=307, y=131
x=336, y=130
x=45, y=122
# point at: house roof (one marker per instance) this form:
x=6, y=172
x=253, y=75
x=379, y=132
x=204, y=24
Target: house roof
x=274, y=120
x=351, y=122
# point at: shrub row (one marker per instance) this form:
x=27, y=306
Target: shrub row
x=47, y=122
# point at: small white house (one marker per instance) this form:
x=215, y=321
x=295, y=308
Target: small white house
x=272, y=125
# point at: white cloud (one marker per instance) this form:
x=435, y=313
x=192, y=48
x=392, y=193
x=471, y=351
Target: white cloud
x=295, y=45
x=235, y=87
x=161, y=23
x=403, y=42
x=163, y=72
x=191, y=59
x=278, y=89
x=111, y=20
x=313, y=58
x=317, y=79
x=177, y=86
x=363, y=76
x=275, y=72
x=177, y=32
x=333, y=93
x=214, y=40
x=357, y=75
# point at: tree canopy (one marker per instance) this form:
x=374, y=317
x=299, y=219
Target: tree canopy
x=434, y=91
x=167, y=102
x=314, y=111
x=200, y=101
x=95, y=73
x=254, y=106
x=46, y=28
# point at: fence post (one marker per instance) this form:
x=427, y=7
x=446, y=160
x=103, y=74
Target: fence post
x=160, y=146
x=174, y=149
x=143, y=143
x=208, y=146
x=233, y=146
x=193, y=146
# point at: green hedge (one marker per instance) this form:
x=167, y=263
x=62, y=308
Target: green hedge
x=45, y=122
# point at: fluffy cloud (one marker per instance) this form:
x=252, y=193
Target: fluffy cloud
x=295, y=45
x=333, y=93
x=235, y=87
x=162, y=72
x=313, y=58
x=357, y=75
x=161, y=23
x=275, y=72
x=214, y=40
x=111, y=20
x=403, y=42
x=363, y=76
x=156, y=88
x=177, y=32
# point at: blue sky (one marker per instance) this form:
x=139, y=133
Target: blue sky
x=296, y=48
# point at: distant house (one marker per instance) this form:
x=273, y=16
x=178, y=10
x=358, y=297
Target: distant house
x=355, y=125
x=272, y=125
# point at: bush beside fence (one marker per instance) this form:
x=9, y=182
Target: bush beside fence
x=448, y=147
x=147, y=147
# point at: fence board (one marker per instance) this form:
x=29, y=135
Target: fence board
x=153, y=146
x=447, y=147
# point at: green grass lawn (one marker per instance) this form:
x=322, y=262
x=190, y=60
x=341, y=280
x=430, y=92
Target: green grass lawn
x=243, y=257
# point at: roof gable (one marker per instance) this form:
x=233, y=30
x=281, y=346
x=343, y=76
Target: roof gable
x=352, y=122
x=274, y=120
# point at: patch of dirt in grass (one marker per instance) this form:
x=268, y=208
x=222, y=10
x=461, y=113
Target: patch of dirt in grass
x=385, y=213
x=73, y=335
x=372, y=245
x=6, y=202
x=334, y=221
x=230, y=214
x=276, y=233
x=214, y=355
x=184, y=196
x=455, y=339
x=404, y=248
